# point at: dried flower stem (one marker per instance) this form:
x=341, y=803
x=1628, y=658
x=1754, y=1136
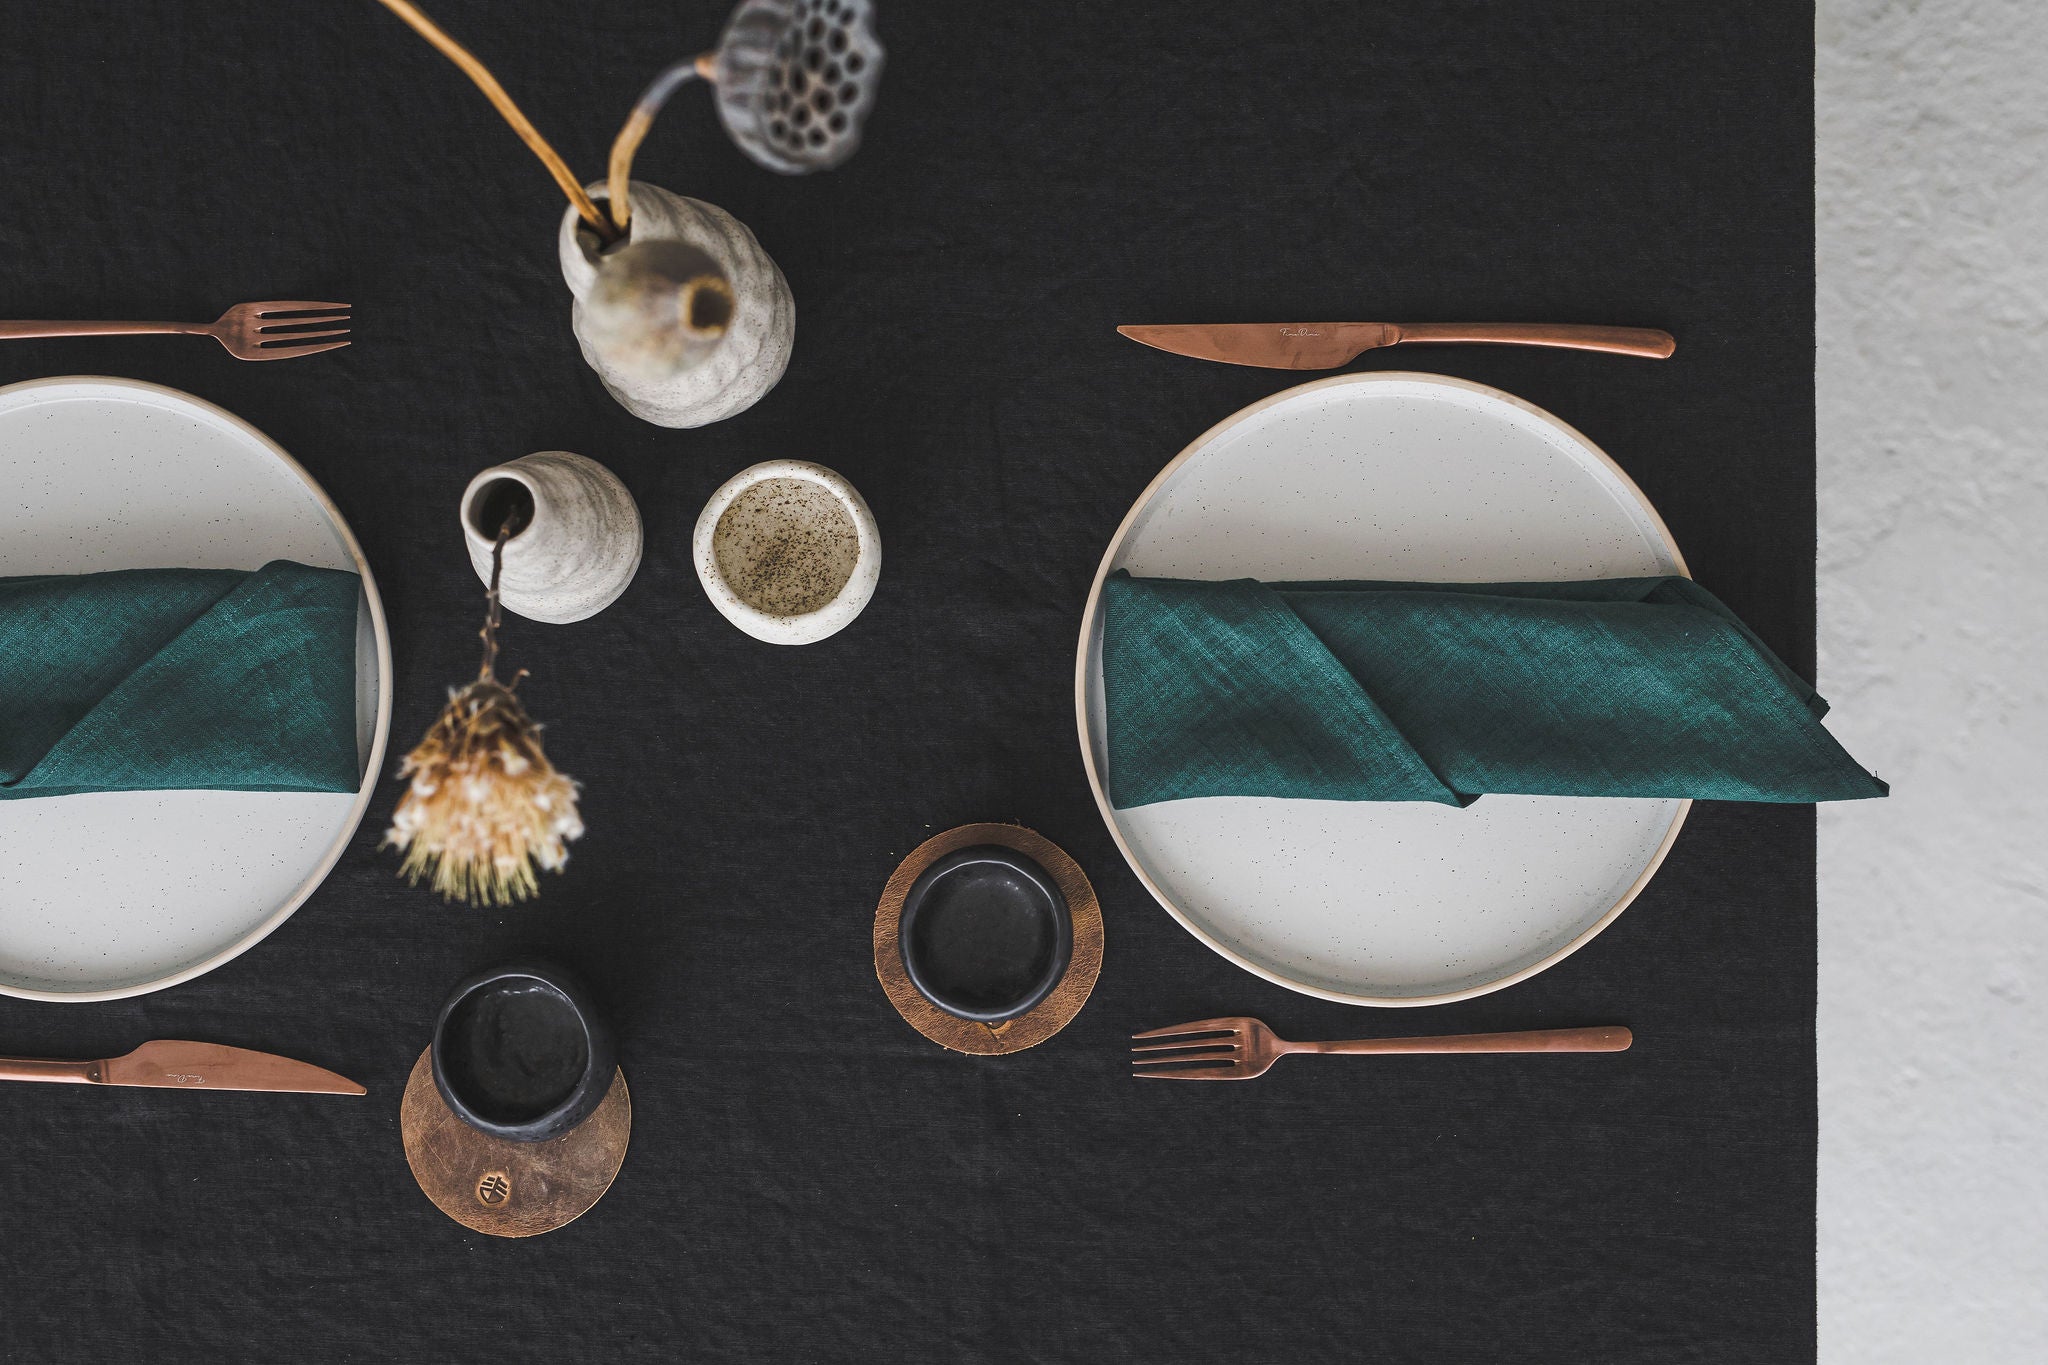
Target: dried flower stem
x=619, y=171
x=483, y=809
x=495, y=93
x=493, y=615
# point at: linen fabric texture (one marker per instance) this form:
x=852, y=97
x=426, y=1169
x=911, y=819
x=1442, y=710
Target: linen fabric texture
x=810, y=1178
x=1367, y=691
x=154, y=679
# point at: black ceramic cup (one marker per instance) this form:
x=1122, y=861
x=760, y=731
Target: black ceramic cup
x=520, y=1052
x=985, y=933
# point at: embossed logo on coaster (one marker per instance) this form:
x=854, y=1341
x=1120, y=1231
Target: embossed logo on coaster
x=493, y=1189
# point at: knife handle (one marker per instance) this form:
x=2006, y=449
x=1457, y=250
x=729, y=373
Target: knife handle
x=1642, y=341
x=36, y=1069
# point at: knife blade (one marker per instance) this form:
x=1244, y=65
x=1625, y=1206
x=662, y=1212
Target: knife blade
x=174, y=1064
x=1326, y=345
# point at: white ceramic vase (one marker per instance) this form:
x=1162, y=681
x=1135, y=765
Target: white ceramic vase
x=632, y=318
x=579, y=545
x=788, y=552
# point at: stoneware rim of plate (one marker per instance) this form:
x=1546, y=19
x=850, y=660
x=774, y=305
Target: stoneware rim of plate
x=1081, y=678
x=380, y=730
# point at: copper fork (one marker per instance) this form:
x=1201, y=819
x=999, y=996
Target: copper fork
x=250, y=331
x=1237, y=1048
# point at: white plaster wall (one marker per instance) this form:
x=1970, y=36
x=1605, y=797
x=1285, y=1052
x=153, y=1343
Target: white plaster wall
x=1933, y=391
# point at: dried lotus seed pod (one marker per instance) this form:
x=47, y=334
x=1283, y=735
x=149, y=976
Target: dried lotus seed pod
x=796, y=79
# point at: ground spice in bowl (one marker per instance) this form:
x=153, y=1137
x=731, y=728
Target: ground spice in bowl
x=786, y=547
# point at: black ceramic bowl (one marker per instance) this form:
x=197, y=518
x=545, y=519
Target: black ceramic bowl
x=520, y=1052
x=985, y=933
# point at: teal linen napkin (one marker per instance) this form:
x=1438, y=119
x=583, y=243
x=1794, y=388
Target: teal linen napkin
x=149, y=679
x=1444, y=691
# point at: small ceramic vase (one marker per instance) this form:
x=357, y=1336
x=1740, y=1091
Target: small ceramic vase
x=688, y=320
x=576, y=539
x=788, y=552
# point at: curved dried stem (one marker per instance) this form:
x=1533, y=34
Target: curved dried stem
x=619, y=170
x=501, y=101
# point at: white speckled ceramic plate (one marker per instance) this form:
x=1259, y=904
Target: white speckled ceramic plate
x=1401, y=476
x=113, y=894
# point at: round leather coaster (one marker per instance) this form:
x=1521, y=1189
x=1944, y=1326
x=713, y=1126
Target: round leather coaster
x=1044, y=1019
x=511, y=1189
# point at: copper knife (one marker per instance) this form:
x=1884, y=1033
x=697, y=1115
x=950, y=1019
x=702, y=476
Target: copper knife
x=1326, y=345
x=174, y=1065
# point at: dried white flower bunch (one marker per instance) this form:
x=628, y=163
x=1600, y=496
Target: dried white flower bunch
x=484, y=808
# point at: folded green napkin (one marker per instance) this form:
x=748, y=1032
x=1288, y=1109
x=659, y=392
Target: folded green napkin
x=148, y=679
x=1443, y=691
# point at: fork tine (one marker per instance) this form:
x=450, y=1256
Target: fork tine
x=264, y=310
x=1226, y=1025
x=271, y=338
x=1189, y=1073
x=289, y=352
x=268, y=326
x=1171, y=1044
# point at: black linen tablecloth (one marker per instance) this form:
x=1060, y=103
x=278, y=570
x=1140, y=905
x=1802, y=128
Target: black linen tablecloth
x=810, y=1180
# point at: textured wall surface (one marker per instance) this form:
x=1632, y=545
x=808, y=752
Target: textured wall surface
x=1933, y=408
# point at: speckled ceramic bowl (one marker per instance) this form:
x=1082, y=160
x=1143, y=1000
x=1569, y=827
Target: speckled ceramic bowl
x=788, y=552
